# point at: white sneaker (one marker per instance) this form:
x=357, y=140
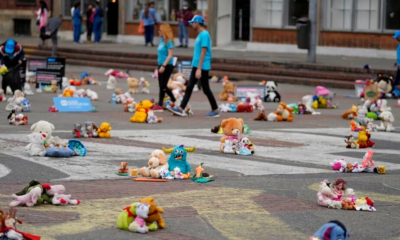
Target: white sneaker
x=195, y=89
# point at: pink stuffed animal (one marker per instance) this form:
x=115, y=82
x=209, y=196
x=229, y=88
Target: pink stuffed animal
x=64, y=199
x=325, y=194
x=338, y=164
x=51, y=190
x=116, y=74
x=28, y=199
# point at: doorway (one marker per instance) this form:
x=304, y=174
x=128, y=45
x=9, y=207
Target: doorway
x=112, y=17
x=242, y=20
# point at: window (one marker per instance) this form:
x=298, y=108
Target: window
x=166, y=9
x=367, y=15
x=339, y=14
x=268, y=13
x=392, y=15
x=297, y=9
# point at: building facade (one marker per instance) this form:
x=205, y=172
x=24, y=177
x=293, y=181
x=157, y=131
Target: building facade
x=360, y=26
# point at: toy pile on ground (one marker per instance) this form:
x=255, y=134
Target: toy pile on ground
x=233, y=142
x=323, y=98
x=304, y=107
x=8, y=228
x=144, y=114
x=17, y=119
x=18, y=102
x=71, y=91
x=282, y=114
x=141, y=217
x=119, y=97
x=379, y=87
x=363, y=140
x=36, y=194
x=90, y=130
x=338, y=196
x=367, y=165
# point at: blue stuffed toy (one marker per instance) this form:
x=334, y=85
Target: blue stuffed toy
x=178, y=158
x=60, y=152
x=332, y=230
x=26, y=106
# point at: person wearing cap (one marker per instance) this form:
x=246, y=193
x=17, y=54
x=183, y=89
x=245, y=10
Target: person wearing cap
x=183, y=17
x=11, y=54
x=97, y=22
x=149, y=18
x=396, y=91
x=201, y=65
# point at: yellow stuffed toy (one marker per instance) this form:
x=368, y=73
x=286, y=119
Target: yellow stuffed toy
x=3, y=70
x=142, y=109
x=104, y=130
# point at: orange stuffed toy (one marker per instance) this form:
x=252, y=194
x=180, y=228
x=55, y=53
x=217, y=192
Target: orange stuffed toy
x=232, y=128
x=284, y=113
x=154, y=213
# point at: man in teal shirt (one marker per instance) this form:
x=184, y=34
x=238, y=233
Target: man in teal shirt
x=396, y=91
x=201, y=64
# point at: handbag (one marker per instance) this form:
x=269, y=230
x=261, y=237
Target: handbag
x=141, y=27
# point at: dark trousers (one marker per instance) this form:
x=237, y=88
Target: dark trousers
x=89, y=29
x=163, y=79
x=397, y=77
x=148, y=33
x=204, y=85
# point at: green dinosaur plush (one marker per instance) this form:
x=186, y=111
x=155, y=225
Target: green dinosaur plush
x=43, y=198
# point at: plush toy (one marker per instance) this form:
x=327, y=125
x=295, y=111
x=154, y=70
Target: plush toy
x=27, y=89
x=387, y=120
x=151, y=118
x=16, y=101
x=248, y=144
x=283, y=113
x=154, y=213
x=178, y=173
x=3, y=70
x=232, y=105
x=325, y=194
x=229, y=147
x=117, y=74
x=127, y=216
x=53, y=109
x=144, y=86
x=350, y=142
x=142, y=109
x=130, y=107
x=385, y=85
x=362, y=205
x=229, y=91
x=363, y=140
x=157, y=161
x=29, y=199
x=178, y=82
x=63, y=152
x=111, y=82
x=68, y=92
x=104, y=129
x=17, y=119
x=133, y=84
x=244, y=108
x=272, y=94
x=8, y=230
x=139, y=224
x=79, y=130
x=36, y=144
x=2, y=96
x=349, y=194
x=232, y=129
x=91, y=130
x=355, y=126
x=54, y=86
x=261, y=116
x=44, y=127
x=178, y=159
x=165, y=174
x=63, y=199
x=47, y=191
x=92, y=95
x=350, y=113
x=338, y=164
x=330, y=231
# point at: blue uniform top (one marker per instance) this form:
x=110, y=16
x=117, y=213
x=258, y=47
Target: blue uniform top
x=76, y=19
x=97, y=16
x=202, y=40
x=163, y=51
x=150, y=19
x=398, y=55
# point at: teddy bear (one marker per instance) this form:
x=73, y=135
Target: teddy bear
x=54, y=86
x=151, y=118
x=104, y=129
x=142, y=109
x=178, y=81
x=282, y=113
x=111, y=82
x=325, y=194
x=79, y=130
x=27, y=89
x=133, y=84
x=29, y=199
x=92, y=95
x=63, y=199
x=154, y=213
x=232, y=128
x=36, y=144
x=272, y=94
x=229, y=91
x=157, y=161
x=91, y=130
x=387, y=120
x=139, y=224
x=385, y=84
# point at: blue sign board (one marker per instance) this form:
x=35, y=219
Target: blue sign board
x=71, y=104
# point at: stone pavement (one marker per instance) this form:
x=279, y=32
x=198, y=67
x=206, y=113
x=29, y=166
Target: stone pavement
x=270, y=195
x=357, y=62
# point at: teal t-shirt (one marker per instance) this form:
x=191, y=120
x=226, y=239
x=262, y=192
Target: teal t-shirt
x=163, y=51
x=202, y=40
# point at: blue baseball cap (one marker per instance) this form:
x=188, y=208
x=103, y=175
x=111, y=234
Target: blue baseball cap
x=10, y=45
x=197, y=19
x=396, y=34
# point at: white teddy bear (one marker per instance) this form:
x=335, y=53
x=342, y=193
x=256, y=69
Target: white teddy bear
x=36, y=144
x=63, y=199
x=92, y=95
x=44, y=127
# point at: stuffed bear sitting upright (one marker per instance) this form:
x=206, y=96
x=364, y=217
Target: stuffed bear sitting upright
x=44, y=127
x=157, y=161
x=272, y=94
x=232, y=128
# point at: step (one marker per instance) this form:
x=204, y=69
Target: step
x=217, y=67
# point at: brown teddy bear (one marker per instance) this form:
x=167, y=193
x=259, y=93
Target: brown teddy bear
x=232, y=128
x=157, y=161
x=133, y=84
x=154, y=213
x=229, y=91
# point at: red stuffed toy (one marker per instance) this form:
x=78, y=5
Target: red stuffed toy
x=244, y=108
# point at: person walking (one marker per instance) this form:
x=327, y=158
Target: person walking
x=11, y=55
x=149, y=18
x=97, y=22
x=77, y=22
x=396, y=91
x=42, y=16
x=165, y=65
x=183, y=17
x=89, y=22
x=51, y=32
x=201, y=65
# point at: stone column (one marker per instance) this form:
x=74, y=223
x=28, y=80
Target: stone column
x=56, y=8
x=212, y=20
x=122, y=5
x=319, y=20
